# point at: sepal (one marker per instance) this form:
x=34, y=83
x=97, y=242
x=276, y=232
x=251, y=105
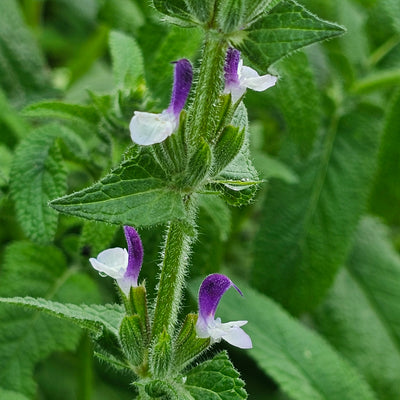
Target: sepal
x=160, y=389
x=227, y=147
x=188, y=346
x=171, y=153
x=161, y=355
x=199, y=165
x=131, y=338
x=136, y=304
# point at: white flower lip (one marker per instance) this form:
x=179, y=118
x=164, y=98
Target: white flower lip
x=148, y=128
x=210, y=293
x=111, y=262
x=239, y=77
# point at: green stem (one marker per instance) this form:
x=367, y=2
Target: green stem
x=173, y=270
x=383, y=50
x=85, y=373
x=202, y=119
x=376, y=81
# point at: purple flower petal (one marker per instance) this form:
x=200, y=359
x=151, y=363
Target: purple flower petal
x=211, y=290
x=231, y=67
x=135, y=255
x=183, y=76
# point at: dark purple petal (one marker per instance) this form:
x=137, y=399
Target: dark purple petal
x=231, y=67
x=210, y=293
x=183, y=76
x=135, y=254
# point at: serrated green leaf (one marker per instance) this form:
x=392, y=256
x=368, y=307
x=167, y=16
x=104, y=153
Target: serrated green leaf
x=27, y=337
x=134, y=193
x=387, y=180
x=306, y=228
x=175, y=11
x=286, y=28
x=303, y=364
x=127, y=59
x=215, y=379
x=96, y=317
x=255, y=8
x=361, y=315
x=37, y=176
x=23, y=74
x=202, y=10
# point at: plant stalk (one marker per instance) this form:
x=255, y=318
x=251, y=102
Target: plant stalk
x=172, y=278
x=203, y=111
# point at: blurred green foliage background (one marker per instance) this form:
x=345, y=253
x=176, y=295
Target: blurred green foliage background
x=321, y=239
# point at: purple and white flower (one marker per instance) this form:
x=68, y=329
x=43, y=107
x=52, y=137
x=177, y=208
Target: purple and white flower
x=238, y=77
x=148, y=128
x=210, y=293
x=122, y=265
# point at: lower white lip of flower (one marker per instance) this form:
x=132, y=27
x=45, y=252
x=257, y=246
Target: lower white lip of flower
x=148, y=128
x=229, y=331
x=112, y=262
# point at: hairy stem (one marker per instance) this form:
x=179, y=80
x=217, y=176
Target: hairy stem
x=209, y=87
x=172, y=278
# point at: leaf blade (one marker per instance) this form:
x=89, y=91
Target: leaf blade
x=286, y=28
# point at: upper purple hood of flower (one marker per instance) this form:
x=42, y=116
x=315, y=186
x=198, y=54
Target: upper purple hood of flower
x=135, y=254
x=239, y=77
x=148, y=128
x=124, y=266
x=231, y=67
x=183, y=76
x=210, y=293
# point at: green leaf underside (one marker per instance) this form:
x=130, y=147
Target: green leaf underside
x=127, y=59
x=387, y=180
x=306, y=228
x=55, y=109
x=37, y=175
x=134, y=193
x=300, y=361
x=286, y=28
x=22, y=68
x=361, y=315
x=215, y=379
x=27, y=337
x=175, y=11
x=95, y=318
x=303, y=116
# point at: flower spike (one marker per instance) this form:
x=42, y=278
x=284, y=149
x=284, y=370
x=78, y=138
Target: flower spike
x=124, y=266
x=239, y=77
x=148, y=128
x=211, y=291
